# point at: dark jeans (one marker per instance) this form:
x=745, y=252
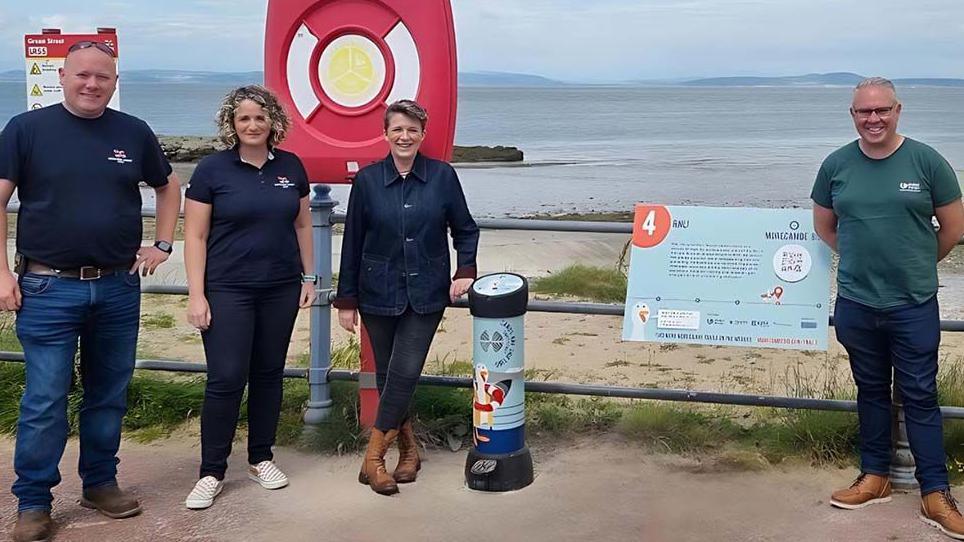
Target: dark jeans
x=400, y=344
x=902, y=341
x=103, y=314
x=246, y=344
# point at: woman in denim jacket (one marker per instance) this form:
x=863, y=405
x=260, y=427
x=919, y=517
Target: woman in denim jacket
x=395, y=272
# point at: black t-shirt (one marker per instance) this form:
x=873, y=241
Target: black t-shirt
x=252, y=241
x=77, y=180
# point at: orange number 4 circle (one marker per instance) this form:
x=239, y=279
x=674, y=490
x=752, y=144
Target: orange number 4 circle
x=651, y=225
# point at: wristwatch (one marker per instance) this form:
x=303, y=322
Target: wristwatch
x=309, y=279
x=164, y=246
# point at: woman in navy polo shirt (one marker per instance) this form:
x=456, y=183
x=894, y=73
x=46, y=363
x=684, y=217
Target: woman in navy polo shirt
x=248, y=253
x=395, y=271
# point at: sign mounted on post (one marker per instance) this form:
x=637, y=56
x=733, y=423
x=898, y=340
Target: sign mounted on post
x=337, y=64
x=45, y=55
x=727, y=276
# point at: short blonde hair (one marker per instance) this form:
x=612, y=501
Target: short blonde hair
x=266, y=99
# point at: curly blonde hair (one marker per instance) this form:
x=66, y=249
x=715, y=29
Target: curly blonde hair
x=266, y=99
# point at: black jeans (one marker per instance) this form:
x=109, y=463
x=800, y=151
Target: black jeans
x=247, y=343
x=400, y=344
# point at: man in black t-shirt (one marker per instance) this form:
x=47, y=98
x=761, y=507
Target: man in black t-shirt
x=77, y=167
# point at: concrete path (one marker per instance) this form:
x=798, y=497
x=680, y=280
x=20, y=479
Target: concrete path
x=590, y=491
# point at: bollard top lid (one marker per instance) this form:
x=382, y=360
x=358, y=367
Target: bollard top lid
x=499, y=295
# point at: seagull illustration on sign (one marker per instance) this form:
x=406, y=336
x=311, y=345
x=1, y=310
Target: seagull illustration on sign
x=639, y=317
x=487, y=399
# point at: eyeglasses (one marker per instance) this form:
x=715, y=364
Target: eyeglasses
x=882, y=112
x=86, y=44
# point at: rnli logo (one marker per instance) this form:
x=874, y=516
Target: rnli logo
x=120, y=156
x=909, y=186
x=283, y=182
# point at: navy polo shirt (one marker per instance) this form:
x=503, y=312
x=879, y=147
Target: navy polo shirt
x=78, y=184
x=252, y=240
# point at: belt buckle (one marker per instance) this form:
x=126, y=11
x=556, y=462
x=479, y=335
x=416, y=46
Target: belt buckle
x=89, y=272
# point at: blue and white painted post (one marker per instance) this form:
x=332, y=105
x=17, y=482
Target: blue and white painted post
x=500, y=460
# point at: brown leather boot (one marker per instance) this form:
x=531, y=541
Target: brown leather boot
x=33, y=526
x=939, y=509
x=867, y=489
x=373, y=472
x=408, y=461
x=110, y=501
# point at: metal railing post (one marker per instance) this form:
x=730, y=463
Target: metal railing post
x=319, y=394
x=902, y=465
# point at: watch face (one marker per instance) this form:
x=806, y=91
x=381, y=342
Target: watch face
x=164, y=246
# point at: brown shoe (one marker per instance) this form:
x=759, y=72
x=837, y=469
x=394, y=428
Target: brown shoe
x=408, y=461
x=110, y=501
x=373, y=472
x=939, y=509
x=33, y=526
x=867, y=489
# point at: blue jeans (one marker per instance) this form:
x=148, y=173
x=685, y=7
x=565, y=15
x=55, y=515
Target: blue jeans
x=103, y=314
x=902, y=342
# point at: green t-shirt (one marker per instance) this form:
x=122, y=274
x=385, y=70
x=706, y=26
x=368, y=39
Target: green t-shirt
x=885, y=237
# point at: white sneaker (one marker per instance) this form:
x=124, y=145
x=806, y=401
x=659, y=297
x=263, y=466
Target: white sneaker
x=204, y=492
x=268, y=475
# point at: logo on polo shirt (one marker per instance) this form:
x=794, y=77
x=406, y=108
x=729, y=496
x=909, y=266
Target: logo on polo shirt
x=283, y=182
x=120, y=156
x=909, y=186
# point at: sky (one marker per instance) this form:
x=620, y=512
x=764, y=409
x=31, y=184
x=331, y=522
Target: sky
x=570, y=40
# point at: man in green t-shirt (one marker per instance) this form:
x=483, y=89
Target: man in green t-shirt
x=874, y=201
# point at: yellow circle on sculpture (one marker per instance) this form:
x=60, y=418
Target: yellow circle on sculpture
x=351, y=70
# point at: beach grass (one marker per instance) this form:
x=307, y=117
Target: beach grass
x=161, y=403
x=600, y=284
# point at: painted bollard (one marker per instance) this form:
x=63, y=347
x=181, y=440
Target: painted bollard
x=499, y=460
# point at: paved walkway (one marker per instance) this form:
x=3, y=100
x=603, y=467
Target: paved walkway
x=591, y=491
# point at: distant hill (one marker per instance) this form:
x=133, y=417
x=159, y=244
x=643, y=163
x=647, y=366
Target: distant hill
x=504, y=79
x=811, y=79
x=184, y=76
x=844, y=79
x=466, y=79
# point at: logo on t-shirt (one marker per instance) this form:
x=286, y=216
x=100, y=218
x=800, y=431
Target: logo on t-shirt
x=909, y=186
x=283, y=182
x=120, y=156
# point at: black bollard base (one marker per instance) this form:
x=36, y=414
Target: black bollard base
x=499, y=472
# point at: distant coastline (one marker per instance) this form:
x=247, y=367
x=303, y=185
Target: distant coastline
x=189, y=149
x=507, y=79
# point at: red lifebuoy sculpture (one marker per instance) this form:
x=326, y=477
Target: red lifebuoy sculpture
x=338, y=63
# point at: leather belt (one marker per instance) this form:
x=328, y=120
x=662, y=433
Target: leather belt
x=87, y=272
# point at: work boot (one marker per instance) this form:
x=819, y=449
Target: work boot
x=33, y=526
x=408, y=461
x=939, y=509
x=867, y=489
x=373, y=472
x=111, y=501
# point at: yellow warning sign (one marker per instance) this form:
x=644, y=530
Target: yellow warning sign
x=35, y=91
x=35, y=70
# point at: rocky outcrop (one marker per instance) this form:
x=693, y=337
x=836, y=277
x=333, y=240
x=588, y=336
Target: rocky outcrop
x=193, y=148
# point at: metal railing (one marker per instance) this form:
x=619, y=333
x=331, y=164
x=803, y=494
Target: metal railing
x=319, y=372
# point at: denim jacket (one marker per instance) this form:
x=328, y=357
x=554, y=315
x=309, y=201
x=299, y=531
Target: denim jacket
x=395, y=251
